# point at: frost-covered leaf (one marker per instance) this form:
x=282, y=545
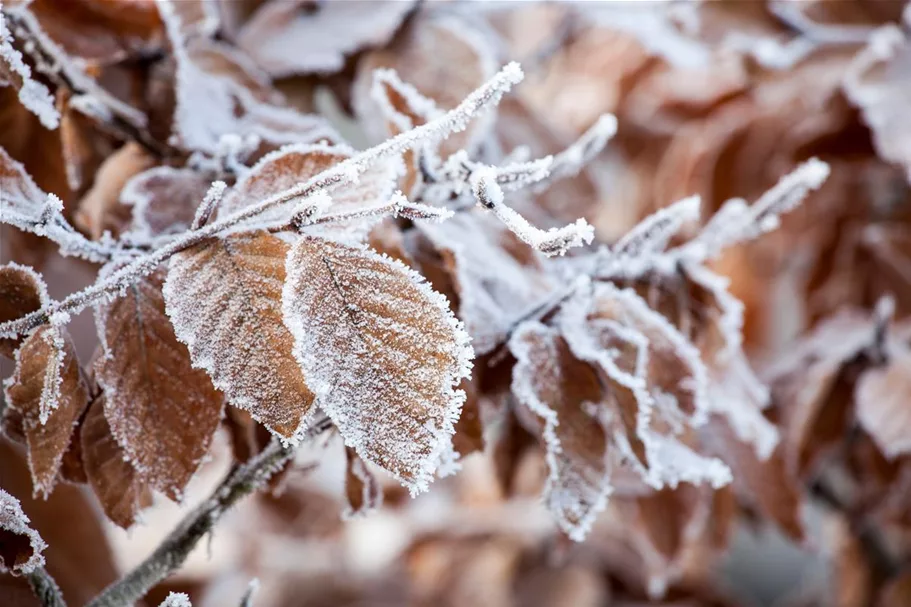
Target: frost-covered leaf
x=114, y=480
x=362, y=488
x=49, y=394
x=877, y=83
x=20, y=545
x=161, y=410
x=565, y=394
x=224, y=298
x=882, y=404
x=382, y=352
x=32, y=94
x=21, y=291
x=220, y=91
x=100, y=208
x=444, y=58
x=294, y=37
x=177, y=599
x=164, y=200
x=497, y=277
x=294, y=164
x=813, y=386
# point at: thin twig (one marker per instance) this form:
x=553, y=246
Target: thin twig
x=173, y=551
x=45, y=588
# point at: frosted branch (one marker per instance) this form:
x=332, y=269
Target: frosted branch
x=175, y=549
x=45, y=588
x=207, y=206
x=343, y=173
x=573, y=159
x=555, y=241
x=33, y=95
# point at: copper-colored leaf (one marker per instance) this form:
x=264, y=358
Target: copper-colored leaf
x=20, y=545
x=100, y=208
x=161, y=410
x=164, y=199
x=382, y=351
x=49, y=393
x=362, y=488
x=224, y=298
x=883, y=407
x=114, y=480
x=565, y=393
x=21, y=291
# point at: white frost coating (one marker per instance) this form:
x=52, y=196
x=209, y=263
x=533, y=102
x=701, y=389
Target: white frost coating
x=574, y=493
x=417, y=103
x=14, y=520
x=176, y=599
x=287, y=41
x=573, y=159
x=382, y=352
x=213, y=197
x=32, y=94
x=736, y=222
x=60, y=60
x=555, y=241
x=671, y=463
x=207, y=102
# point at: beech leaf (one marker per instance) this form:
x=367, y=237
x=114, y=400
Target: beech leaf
x=882, y=404
x=161, y=410
x=20, y=545
x=565, y=394
x=48, y=393
x=21, y=291
x=114, y=480
x=224, y=298
x=381, y=350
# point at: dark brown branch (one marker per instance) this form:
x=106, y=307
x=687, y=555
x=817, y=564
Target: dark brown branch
x=175, y=549
x=45, y=588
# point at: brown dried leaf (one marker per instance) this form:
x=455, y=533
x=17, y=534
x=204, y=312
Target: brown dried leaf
x=882, y=406
x=382, y=351
x=224, y=298
x=161, y=410
x=897, y=592
x=100, y=208
x=48, y=391
x=20, y=545
x=22, y=290
x=295, y=37
x=565, y=394
x=114, y=480
x=362, y=488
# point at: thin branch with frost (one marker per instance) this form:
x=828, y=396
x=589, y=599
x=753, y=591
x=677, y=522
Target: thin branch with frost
x=555, y=241
x=247, y=599
x=573, y=159
x=343, y=173
x=207, y=206
x=35, y=97
x=45, y=588
x=175, y=549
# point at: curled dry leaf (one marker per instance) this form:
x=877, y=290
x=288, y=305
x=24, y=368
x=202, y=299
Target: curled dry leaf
x=20, y=545
x=21, y=291
x=295, y=37
x=224, y=298
x=48, y=394
x=881, y=401
x=362, y=488
x=381, y=350
x=161, y=410
x=114, y=480
x=565, y=394
x=100, y=208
